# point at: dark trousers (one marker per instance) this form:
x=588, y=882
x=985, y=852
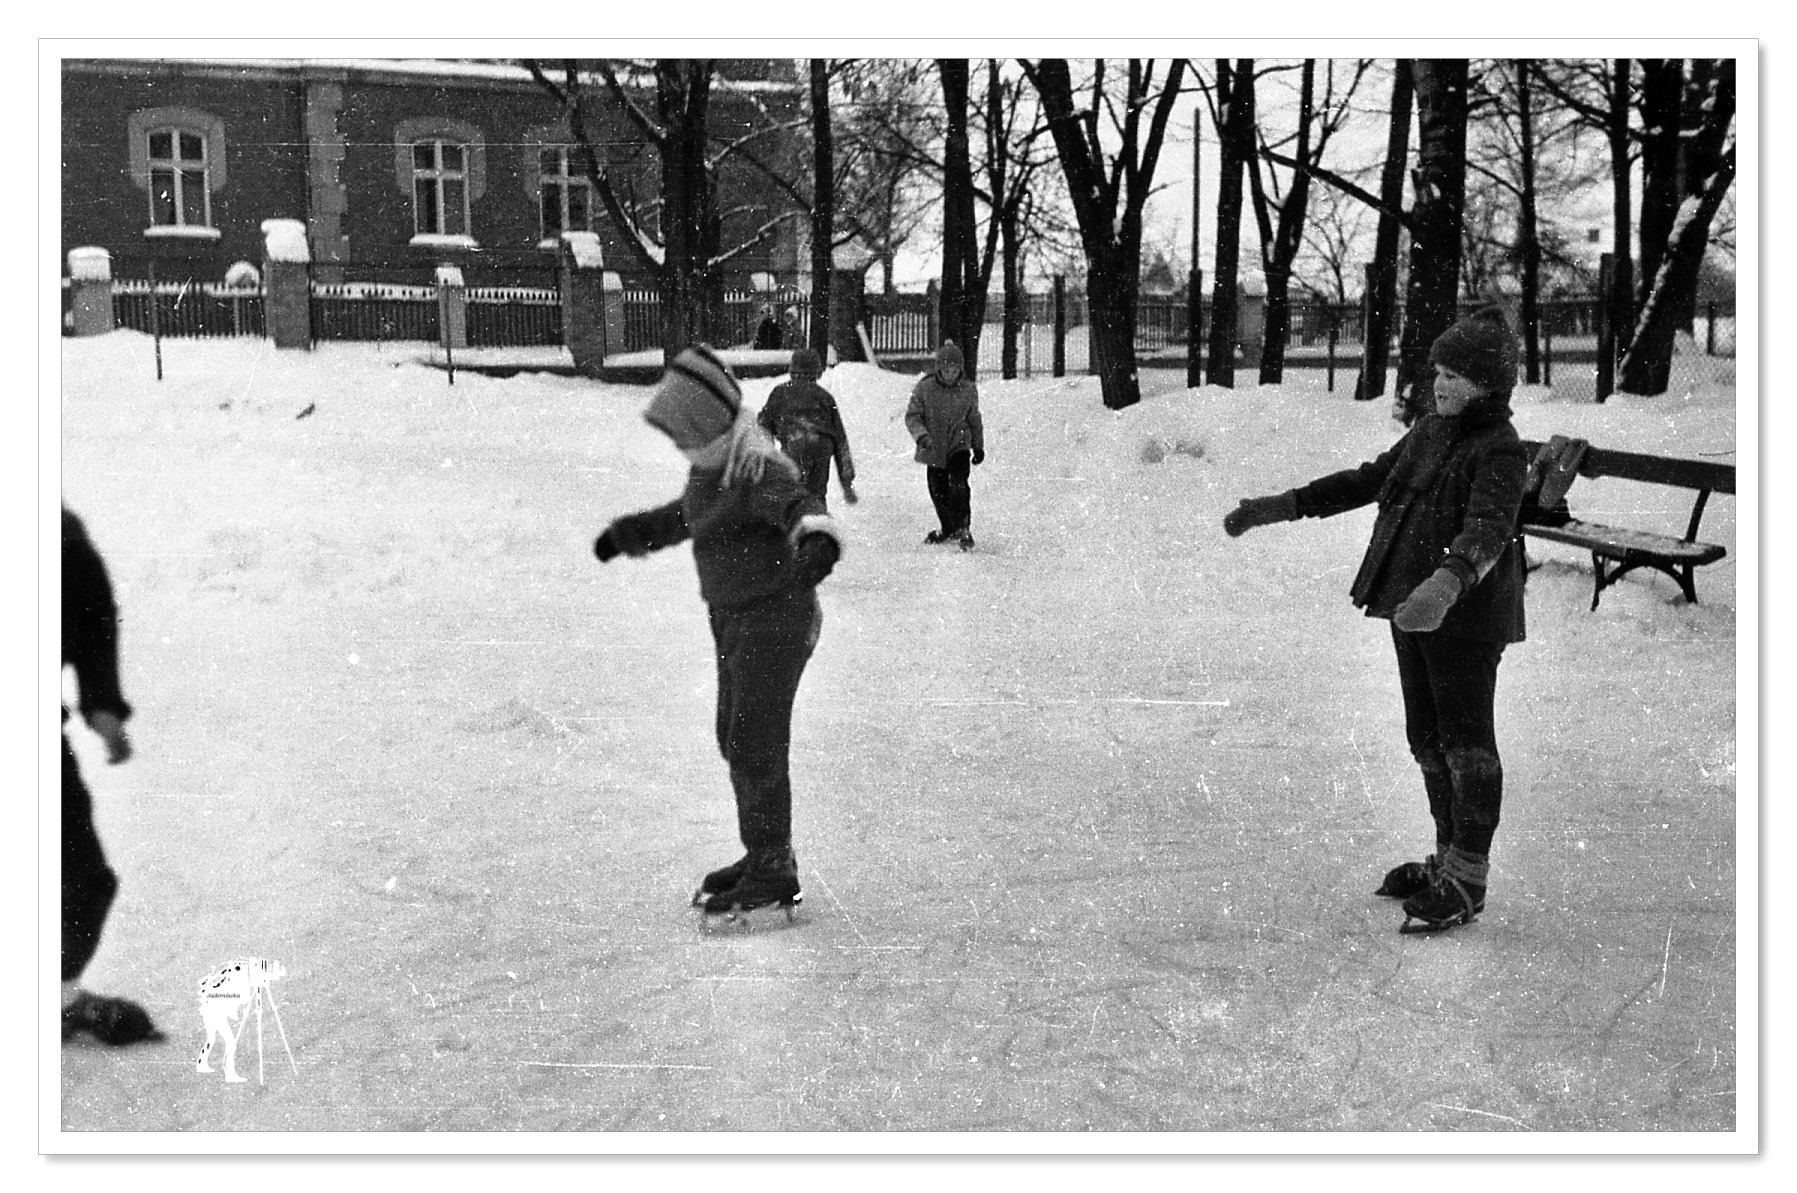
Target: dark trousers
x=951, y=494
x=814, y=471
x=88, y=883
x=762, y=651
x=1450, y=689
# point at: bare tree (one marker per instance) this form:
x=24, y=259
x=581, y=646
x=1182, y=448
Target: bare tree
x=1318, y=120
x=1438, y=186
x=823, y=208
x=1234, y=119
x=677, y=239
x=963, y=298
x=1108, y=198
x=1677, y=254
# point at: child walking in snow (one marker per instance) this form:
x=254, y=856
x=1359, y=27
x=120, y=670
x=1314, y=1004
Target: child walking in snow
x=762, y=543
x=1445, y=567
x=944, y=418
x=802, y=415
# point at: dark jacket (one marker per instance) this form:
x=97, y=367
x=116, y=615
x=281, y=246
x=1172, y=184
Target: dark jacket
x=745, y=536
x=1448, y=495
x=949, y=414
x=768, y=335
x=90, y=623
x=803, y=416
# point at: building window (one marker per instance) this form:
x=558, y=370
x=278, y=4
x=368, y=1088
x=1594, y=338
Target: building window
x=565, y=194
x=440, y=188
x=178, y=188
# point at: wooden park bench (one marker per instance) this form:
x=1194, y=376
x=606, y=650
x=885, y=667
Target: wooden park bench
x=1616, y=551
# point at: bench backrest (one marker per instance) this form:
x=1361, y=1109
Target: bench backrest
x=1658, y=470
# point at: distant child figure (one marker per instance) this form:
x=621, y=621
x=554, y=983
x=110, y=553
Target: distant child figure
x=767, y=333
x=944, y=418
x=1445, y=566
x=802, y=415
x=791, y=332
x=762, y=543
x=90, y=638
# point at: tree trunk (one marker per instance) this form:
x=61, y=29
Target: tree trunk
x=1235, y=100
x=960, y=257
x=1287, y=239
x=1111, y=285
x=1376, y=340
x=1436, y=218
x=683, y=91
x=1530, y=246
x=823, y=209
x=1011, y=249
x=1662, y=95
x=1622, y=299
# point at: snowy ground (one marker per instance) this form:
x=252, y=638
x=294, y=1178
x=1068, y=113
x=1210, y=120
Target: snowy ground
x=1087, y=819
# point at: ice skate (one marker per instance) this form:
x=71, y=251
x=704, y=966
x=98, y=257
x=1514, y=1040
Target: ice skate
x=769, y=879
x=935, y=537
x=721, y=879
x=1410, y=878
x=965, y=538
x=1445, y=903
x=114, y=1021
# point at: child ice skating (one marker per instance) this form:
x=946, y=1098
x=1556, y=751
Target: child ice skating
x=802, y=416
x=762, y=542
x=1445, y=567
x=944, y=418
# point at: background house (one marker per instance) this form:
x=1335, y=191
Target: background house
x=395, y=166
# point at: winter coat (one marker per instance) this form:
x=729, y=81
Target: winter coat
x=949, y=414
x=90, y=623
x=1448, y=495
x=803, y=416
x=745, y=535
x=768, y=335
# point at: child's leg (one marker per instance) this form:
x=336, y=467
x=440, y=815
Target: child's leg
x=1463, y=676
x=88, y=883
x=768, y=647
x=960, y=493
x=1423, y=732
x=942, y=497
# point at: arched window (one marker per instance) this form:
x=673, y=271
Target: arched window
x=440, y=188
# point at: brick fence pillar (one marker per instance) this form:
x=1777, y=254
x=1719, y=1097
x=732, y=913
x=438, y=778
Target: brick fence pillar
x=452, y=307
x=286, y=284
x=90, y=286
x=582, y=277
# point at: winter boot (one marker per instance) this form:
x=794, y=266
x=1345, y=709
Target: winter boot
x=1409, y=878
x=965, y=537
x=114, y=1021
x=934, y=537
x=1455, y=897
x=770, y=876
x=720, y=879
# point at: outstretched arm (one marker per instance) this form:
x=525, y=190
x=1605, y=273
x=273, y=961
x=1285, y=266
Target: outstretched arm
x=641, y=533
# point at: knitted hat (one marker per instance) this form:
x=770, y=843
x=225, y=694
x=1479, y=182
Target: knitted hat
x=950, y=354
x=806, y=366
x=1480, y=348
x=697, y=400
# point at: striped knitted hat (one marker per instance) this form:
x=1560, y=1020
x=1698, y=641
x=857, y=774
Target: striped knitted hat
x=697, y=401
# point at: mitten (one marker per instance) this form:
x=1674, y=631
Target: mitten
x=817, y=555
x=848, y=493
x=1429, y=602
x=1260, y=511
x=923, y=441
x=625, y=536
x=979, y=456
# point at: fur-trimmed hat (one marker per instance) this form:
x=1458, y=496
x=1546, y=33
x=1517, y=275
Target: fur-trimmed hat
x=697, y=401
x=1481, y=348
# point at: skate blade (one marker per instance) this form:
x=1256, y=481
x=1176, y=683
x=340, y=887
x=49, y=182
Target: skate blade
x=1412, y=927
x=738, y=916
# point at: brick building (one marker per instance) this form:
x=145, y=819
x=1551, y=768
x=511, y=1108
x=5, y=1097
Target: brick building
x=394, y=166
